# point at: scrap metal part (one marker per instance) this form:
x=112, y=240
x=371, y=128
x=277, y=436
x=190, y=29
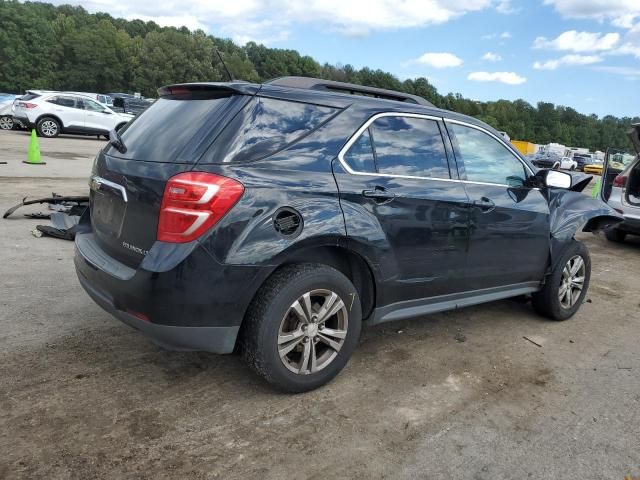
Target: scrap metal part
x=53, y=200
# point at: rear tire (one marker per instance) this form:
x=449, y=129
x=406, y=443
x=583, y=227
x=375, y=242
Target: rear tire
x=615, y=235
x=565, y=289
x=290, y=347
x=6, y=122
x=48, y=127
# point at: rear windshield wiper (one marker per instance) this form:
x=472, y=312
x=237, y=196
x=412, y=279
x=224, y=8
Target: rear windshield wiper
x=116, y=141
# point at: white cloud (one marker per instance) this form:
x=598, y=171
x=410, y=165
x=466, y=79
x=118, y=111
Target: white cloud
x=505, y=7
x=621, y=12
x=625, y=71
x=438, y=60
x=510, y=78
x=579, y=41
x=267, y=19
x=491, y=36
x=189, y=21
x=492, y=57
x=567, y=60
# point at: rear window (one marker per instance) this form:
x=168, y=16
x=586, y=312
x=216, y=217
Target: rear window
x=265, y=126
x=174, y=129
x=29, y=96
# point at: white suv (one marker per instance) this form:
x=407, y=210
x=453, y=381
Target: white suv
x=53, y=113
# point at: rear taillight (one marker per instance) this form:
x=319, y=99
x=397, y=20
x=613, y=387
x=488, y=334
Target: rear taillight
x=193, y=202
x=620, y=181
x=27, y=105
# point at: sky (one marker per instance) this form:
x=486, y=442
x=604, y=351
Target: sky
x=580, y=53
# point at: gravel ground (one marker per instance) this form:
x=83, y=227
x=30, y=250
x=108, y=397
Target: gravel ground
x=454, y=395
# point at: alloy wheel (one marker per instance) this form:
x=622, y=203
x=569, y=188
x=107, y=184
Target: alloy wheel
x=312, y=331
x=6, y=123
x=572, y=281
x=49, y=128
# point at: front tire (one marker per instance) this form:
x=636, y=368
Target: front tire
x=615, y=235
x=48, y=127
x=6, y=122
x=565, y=289
x=302, y=327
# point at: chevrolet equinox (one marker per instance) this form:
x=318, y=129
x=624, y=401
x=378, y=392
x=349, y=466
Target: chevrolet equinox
x=275, y=219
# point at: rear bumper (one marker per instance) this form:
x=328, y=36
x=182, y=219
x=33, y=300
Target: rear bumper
x=198, y=304
x=207, y=339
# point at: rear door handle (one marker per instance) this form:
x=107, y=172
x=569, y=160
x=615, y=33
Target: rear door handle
x=485, y=204
x=379, y=194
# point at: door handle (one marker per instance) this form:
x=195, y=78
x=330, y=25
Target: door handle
x=379, y=194
x=485, y=204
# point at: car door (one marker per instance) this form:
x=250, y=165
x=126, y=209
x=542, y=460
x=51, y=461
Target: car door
x=509, y=233
x=403, y=210
x=69, y=111
x=98, y=118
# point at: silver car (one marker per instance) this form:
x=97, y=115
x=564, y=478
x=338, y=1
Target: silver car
x=621, y=187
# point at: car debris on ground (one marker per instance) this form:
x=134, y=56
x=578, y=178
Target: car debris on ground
x=65, y=215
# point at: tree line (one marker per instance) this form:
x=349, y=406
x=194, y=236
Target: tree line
x=43, y=46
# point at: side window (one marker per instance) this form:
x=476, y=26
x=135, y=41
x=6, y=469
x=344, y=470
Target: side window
x=485, y=159
x=409, y=146
x=63, y=101
x=360, y=156
x=91, y=105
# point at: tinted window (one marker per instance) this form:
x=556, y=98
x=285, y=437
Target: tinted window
x=360, y=156
x=169, y=126
x=409, y=146
x=63, y=101
x=485, y=158
x=29, y=96
x=265, y=126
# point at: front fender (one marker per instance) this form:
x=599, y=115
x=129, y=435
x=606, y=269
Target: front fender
x=570, y=211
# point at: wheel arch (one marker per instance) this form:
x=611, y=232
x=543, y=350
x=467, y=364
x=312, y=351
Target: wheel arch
x=50, y=115
x=349, y=263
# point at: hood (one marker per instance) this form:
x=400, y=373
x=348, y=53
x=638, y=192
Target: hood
x=634, y=135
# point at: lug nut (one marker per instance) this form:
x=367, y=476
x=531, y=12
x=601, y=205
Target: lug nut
x=305, y=340
x=316, y=339
x=321, y=326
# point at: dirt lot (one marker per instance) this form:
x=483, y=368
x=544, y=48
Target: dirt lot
x=457, y=395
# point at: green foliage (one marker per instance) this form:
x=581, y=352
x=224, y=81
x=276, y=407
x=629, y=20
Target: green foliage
x=66, y=48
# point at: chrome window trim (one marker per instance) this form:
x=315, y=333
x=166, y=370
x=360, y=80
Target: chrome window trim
x=373, y=118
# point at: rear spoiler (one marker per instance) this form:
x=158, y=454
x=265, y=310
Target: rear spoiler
x=204, y=88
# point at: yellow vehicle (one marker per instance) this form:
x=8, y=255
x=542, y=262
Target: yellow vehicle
x=594, y=168
x=525, y=148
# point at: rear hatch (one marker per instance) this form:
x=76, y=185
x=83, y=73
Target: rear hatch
x=620, y=170
x=127, y=184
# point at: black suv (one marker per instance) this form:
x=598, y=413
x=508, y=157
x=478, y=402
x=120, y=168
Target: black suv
x=276, y=218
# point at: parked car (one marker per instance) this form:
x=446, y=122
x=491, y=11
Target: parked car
x=595, y=167
x=621, y=187
x=543, y=160
x=59, y=112
x=129, y=103
x=568, y=163
x=6, y=115
x=276, y=218
x=582, y=159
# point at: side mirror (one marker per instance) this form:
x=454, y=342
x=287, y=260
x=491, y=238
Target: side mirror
x=118, y=102
x=557, y=179
x=107, y=111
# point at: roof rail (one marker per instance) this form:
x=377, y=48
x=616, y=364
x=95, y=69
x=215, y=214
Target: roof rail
x=348, y=88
